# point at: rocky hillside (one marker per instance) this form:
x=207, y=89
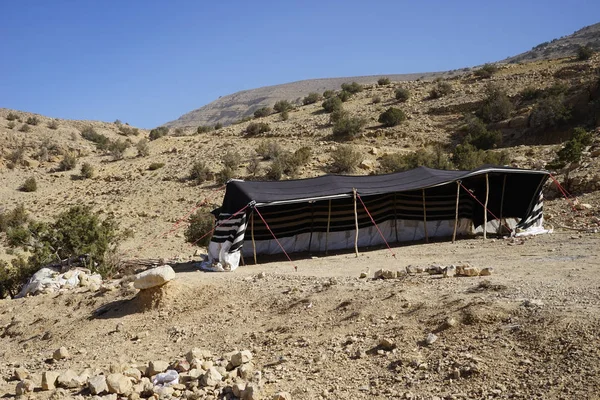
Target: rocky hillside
x=562, y=47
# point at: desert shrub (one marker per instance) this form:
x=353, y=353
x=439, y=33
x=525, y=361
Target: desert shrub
x=344, y=96
x=352, y=88
x=557, y=89
x=11, y=125
x=263, y=112
x=253, y=167
x=224, y=175
x=328, y=94
x=231, y=160
x=68, y=162
x=466, y=157
x=477, y=134
x=117, y=149
x=486, y=71
x=332, y=104
x=218, y=126
x=376, y=99
x=397, y=162
x=496, y=106
x=30, y=185
x=256, y=128
x=18, y=237
x=242, y=120
x=13, y=276
x=25, y=128
x=12, y=116
x=16, y=157
x=178, y=132
x=199, y=172
x=531, y=93
x=12, y=219
x=204, y=129
x=345, y=159
x=383, y=81
x=158, y=132
x=440, y=89
x=348, y=128
x=402, y=94
x=302, y=155
x=155, y=165
x=32, y=121
x=201, y=224
x=584, y=53
x=392, y=117
x=269, y=149
x=100, y=140
x=142, y=147
x=573, y=148
x=128, y=131
x=550, y=112
x=285, y=115
x=311, y=98
x=337, y=115
x=53, y=124
x=282, y=105
x=274, y=171
x=87, y=171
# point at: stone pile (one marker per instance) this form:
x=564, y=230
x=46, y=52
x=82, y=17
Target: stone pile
x=434, y=269
x=50, y=280
x=200, y=375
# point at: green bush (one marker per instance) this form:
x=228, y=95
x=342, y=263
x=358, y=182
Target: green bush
x=16, y=157
x=231, y=160
x=12, y=277
x=25, y=128
x=256, y=128
x=224, y=175
x=311, y=98
x=282, y=105
x=159, y=132
x=13, y=219
x=199, y=172
x=178, y=132
x=68, y=162
x=573, y=148
x=263, y=112
x=332, y=104
x=402, y=162
x=345, y=159
x=440, y=89
x=376, y=99
x=285, y=115
x=486, y=71
x=30, y=185
x=303, y=155
x=128, y=131
x=253, y=167
x=402, y=94
x=550, y=112
x=117, y=149
x=274, y=171
x=155, y=165
x=32, y=121
x=18, y=237
x=584, y=53
x=467, y=157
x=352, y=88
x=142, y=147
x=87, y=171
x=392, y=117
x=12, y=116
x=269, y=149
x=204, y=129
x=218, y=126
x=348, y=128
x=496, y=106
x=344, y=95
x=201, y=224
x=53, y=124
x=531, y=93
x=100, y=140
x=477, y=134
x=328, y=94
x=383, y=81
x=337, y=115
x=11, y=125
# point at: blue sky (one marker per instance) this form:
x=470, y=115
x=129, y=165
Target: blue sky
x=148, y=62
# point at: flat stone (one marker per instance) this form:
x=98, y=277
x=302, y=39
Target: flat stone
x=154, y=277
x=431, y=339
x=133, y=373
x=387, y=344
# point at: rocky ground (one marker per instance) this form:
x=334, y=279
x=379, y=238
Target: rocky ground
x=530, y=330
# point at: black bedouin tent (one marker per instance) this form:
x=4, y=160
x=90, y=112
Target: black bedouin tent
x=334, y=212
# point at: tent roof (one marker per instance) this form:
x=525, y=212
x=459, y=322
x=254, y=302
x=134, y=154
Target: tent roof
x=239, y=193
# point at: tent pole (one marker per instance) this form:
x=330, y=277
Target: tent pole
x=328, y=224
x=355, y=224
x=501, y=223
x=312, y=222
x=425, y=217
x=456, y=212
x=252, y=234
x=487, y=195
x=395, y=218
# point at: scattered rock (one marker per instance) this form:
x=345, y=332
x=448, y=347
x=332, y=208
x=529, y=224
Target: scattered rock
x=61, y=354
x=241, y=357
x=385, y=274
x=97, y=384
x=252, y=392
x=431, y=339
x=20, y=374
x=119, y=384
x=238, y=389
x=25, y=386
x=449, y=271
x=362, y=275
x=69, y=380
x=387, y=344
x=196, y=353
x=467, y=270
x=211, y=378
x=156, y=367
x=49, y=380
x=133, y=373
x=435, y=270
x=282, y=396
x=486, y=271
x=154, y=277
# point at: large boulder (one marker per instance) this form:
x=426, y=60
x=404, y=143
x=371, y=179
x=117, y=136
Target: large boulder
x=154, y=277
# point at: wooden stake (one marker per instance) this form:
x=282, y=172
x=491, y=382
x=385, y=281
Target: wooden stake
x=312, y=221
x=395, y=218
x=501, y=224
x=425, y=217
x=252, y=234
x=456, y=212
x=355, y=224
x=487, y=195
x=328, y=224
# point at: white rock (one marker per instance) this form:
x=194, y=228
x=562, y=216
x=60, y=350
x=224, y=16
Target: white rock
x=431, y=339
x=60, y=354
x=211, y=378
x=69, y=380
x=154, y=277
x=119, y=384
x=241, y=357
x=133, y=373
x=20, y=374
x=97, y=384
x=449, y=271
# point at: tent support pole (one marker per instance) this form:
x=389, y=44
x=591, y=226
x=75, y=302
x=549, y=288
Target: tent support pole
x=395, y=218
x=425, y=217
x=487, y=195
x=456, y=212
x=312, y=222
x=252, y=235
x=355, y=224
x=328, y=225
x=501, y=223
